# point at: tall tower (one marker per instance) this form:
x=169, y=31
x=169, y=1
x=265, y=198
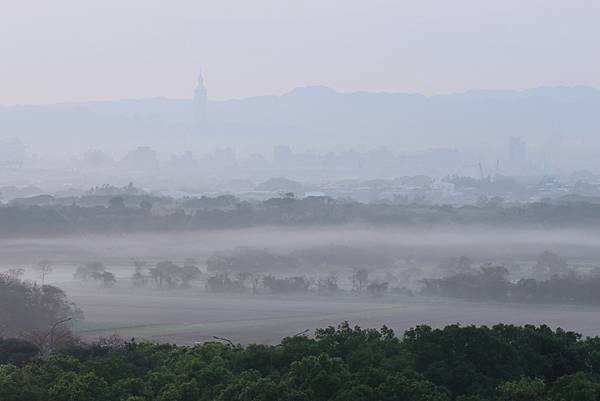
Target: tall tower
x=200, y=100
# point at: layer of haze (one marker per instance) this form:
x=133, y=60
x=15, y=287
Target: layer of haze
x=69, y=50
x=425, y=245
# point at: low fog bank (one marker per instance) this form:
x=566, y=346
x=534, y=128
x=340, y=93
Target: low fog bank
x=264, y=283
x=428, y=244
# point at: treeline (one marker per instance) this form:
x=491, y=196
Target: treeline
x=503, y=362
x=490, y=283
x=227, y=272
x=374, y=272
x=326, y=270
x=229, y=212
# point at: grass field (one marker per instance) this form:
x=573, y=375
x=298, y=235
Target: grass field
x=191, y=316
x=266, y=319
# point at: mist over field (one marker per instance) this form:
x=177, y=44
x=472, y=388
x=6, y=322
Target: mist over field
x=426, y=243
x=401, y=257
x=299, y=201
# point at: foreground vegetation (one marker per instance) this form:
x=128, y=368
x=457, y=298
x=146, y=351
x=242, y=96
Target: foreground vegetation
x=455, y=363
x=40, y=360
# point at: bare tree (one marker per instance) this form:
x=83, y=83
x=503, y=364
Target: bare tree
x=44, y=268
x=255, y=282
x=360, y=279
x=47, y=339
x=139, y=278
x=15, y=273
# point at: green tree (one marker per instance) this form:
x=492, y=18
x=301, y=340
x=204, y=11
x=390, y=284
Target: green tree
x=80, y=387
x=575, y=387
x=524, y=389
x=319, y=377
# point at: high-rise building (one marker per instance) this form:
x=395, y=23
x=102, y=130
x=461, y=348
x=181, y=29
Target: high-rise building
x=200, y=101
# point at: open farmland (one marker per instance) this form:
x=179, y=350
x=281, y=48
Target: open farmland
x=267, y=319
x=193, y=314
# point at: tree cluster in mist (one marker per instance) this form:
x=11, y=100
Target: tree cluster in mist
x=552, y=281
x=368, y=271
x=259, y=270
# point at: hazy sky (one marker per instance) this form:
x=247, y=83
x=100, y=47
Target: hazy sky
x=72, y=50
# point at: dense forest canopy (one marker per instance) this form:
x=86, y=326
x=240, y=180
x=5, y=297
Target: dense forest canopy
x=471, y=363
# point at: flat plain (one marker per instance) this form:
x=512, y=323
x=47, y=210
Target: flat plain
x=195, y=315
x=267, y=319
